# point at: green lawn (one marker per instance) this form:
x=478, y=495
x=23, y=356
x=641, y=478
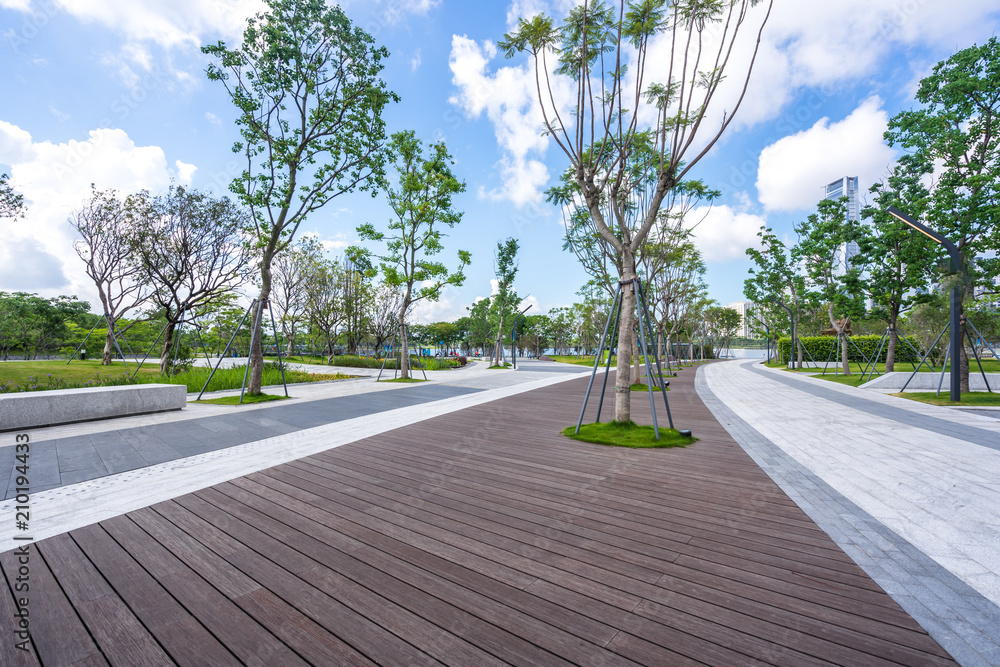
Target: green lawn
x=571, y=359
x=640, y=386
x=627, y=434
x=248, y=399
x=968, y=398
x=989, y=365
x=42, y=375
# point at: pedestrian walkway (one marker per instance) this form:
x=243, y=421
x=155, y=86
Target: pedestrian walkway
x=909, y=491
x=472, y=534
x=73, y=453
x=100, y=469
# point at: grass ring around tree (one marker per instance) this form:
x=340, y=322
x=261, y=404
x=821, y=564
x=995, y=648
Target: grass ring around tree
x=628, y=434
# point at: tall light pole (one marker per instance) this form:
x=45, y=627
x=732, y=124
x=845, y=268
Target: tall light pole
x=956, y=297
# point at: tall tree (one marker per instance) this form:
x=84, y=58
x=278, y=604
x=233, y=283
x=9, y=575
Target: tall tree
x=289, y=272
x=723, y=322
x=108, y=250
x=897, y=261
x=958, y=129
x=324, y=296
x=383, y=315
x=505, y=303
x=831, y=283
x=358, y=295
x=676, y=288
x=778, y=287
x=190, y=252
x=422, y=208
x=625, y=166
x=11, y=201
x=306, y=84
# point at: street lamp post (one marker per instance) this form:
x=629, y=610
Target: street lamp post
x=956, y=297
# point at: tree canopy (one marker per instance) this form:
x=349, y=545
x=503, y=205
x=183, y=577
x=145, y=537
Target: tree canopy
x=306, y=84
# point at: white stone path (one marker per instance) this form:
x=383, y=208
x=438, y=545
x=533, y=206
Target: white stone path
x=910, y=491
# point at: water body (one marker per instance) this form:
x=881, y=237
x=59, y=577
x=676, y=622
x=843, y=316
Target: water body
x=747, y=353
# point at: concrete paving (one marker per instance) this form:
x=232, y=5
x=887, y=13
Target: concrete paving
x=910, y=491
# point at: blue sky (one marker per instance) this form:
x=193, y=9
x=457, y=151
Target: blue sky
x=113, y=92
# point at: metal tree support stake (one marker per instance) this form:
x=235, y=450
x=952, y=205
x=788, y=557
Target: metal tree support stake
x=226, y=351
x=644, y=326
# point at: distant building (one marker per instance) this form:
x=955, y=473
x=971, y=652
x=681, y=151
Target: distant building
x=745, y=309
x=846, y=187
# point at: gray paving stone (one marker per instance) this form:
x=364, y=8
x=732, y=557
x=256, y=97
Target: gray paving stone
x=955, y=614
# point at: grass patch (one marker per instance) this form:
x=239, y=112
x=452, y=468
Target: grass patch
x=571, y=359
x=968, y=398
x=497, y=366
x=17, y=376
x=989, y=365
x=45, y=375
x=853, y=380
x=627, y=434
x=407, y=380
x=641, y=386
x=248, y=399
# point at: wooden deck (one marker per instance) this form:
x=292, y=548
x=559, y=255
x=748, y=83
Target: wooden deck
x=478, y=538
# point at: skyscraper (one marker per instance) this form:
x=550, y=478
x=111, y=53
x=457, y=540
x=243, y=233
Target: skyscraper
x=846, y=187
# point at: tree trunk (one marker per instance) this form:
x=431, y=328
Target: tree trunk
x=168, y=340
x=497, y=349
x=890, y=351
x=844, y=352
x=845, y=361
x=290, y=335
x=109, y=346
x=626, y=327
x=257, y=351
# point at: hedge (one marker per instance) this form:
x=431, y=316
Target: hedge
x=819, y=348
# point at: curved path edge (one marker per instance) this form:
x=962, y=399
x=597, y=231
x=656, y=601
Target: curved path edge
x=958, y=617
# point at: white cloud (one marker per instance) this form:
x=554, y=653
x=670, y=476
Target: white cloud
x=808, y=44
x=445, y=309
x=509, y=99
x=212, y=118
x=55, y=179
x=415, y=61
x=792, y=169
x=722, y=233
x=178, y=25
x=185, y=172
x=60, y=116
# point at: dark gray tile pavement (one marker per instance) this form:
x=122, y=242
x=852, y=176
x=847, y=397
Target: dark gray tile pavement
x=80, y=458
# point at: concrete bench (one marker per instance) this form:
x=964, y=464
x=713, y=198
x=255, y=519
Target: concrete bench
x=32, y=409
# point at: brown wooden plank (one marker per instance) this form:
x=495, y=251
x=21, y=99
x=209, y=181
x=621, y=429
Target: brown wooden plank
x=178, y=632
x=247, y=639
x=10, y=653
x=57, y=633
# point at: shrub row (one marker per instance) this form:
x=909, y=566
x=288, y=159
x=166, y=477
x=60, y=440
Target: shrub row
x=819, y=348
